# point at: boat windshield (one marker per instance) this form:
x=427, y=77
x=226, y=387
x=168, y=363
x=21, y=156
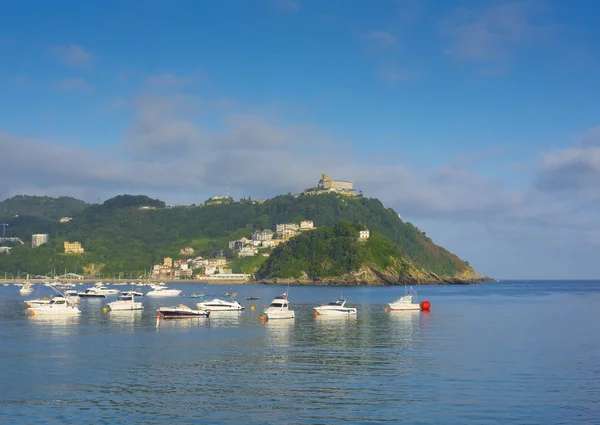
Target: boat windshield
x=279, y=305
x=338, y=302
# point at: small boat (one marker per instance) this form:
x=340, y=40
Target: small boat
x=280, y=309
x=335, y=308
x=26, y=289
x=57, y=306
x=37, y=302
x=180, y=312
x=72, y=296
x=200, y=295
x=91, y=293
x=406, y=302
x=125, y=302
x=131, y=294
x=163, y=291
x=220, y=305
x=106, y=291
x=252, y=298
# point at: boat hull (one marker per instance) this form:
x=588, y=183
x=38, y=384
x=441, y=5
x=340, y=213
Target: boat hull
x=174, y=314
x=404, y=306
x=84, y=295
x=289, y=314
x=336, y=312
x=125, y=306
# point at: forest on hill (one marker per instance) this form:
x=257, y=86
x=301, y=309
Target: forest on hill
x=131, y=233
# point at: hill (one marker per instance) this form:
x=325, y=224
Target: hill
x=40, y=207
x=130, y=233
x=336, y=254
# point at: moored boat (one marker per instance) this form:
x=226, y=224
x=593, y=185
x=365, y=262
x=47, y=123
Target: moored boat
x=335, y=308
x=220, y=305
x=163, y=291
x=406, y=302
x=57, y=306
x=124, y=303
x=181, y=312
x=280, y=309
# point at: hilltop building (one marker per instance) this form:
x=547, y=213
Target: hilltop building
x=186, y=251
x=306, y=225
x=39, y=239
x=364, y=235
x=65, y=219
x=73, y=248
x=286, y=230
x=326, y=185
x=168, y=261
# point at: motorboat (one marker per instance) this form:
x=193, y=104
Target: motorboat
x=125, y=302
x=56, y=306
x=252, y=298
x=72, y=296
x=220, y=305
x=280, y=309
x=37, y=302
x=180, y=312
x=92, y=293
x=26, y=289
x=200, y=295
x=335, y=308
x=106, y=291
x=163, y=291
x=131, y=294
x=406, y=302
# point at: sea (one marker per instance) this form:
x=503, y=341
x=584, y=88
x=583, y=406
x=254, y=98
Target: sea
x=512, y=352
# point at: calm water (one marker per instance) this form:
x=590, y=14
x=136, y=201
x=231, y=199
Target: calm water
x=513, y=352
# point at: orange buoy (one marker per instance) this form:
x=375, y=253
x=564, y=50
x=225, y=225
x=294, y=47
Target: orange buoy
x=262, y=319
x=32, y=313
x=316, y=313
x=385, y=309
x=425, y=305
x=158, y=315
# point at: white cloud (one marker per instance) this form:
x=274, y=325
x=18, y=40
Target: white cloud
x=493, y=33
x=73, y=54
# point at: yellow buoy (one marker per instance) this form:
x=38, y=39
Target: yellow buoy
x=252, y=308
x=105, y=309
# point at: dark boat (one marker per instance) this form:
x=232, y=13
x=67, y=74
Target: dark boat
x=252, y=298
x=181, y=312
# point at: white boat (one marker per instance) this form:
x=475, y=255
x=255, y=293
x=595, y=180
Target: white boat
x=180, y=312
x=280, y=309
x=163, y=291
x=220, y=305
x=37, y=302
x=106, y=291
x=26, y=289
x=91, y=293
x=72, y=296
x=406, y=302
x=57, y=306
x=335, y=308
x=125, y=303
x=132, y=294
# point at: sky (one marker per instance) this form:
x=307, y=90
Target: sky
x=477, y=121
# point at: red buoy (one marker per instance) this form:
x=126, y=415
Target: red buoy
x=425, y=305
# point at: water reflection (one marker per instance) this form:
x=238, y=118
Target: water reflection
x=125, y=317
x=55, y=325
x=403, y=325
x=224, y=318
x=279, y=331
x=187, y=322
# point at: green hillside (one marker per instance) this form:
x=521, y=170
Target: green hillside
x=130, y=233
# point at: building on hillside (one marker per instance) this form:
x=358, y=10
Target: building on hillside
x=39, y=239
x=217, y=200
x=364, y=234
x=73, y=248
x=272, y=243
x=247, y=251
x=262, y=235
x=286, y=230
x=186, y=251
x=168, y=261
x=65, y=219
x=335, y=185
x=217, y=262
x=306, y=225
x=5, y=249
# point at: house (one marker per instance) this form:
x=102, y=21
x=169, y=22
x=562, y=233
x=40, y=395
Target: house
x=186, y=251
x=247, y=251
x=364, y=234
x=262, y=235
x=306, y=225
x=65, y=219
x=217, y=262
x=73, y=248
x=287, y=230
x=168, y=261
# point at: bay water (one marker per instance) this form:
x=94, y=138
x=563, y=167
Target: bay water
x=523, y=352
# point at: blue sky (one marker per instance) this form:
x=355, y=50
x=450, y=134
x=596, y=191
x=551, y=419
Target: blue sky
x=475, y=120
